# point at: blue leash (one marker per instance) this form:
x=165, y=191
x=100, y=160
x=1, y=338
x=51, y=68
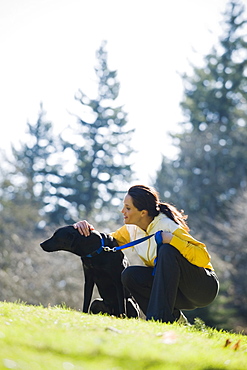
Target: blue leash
x=118, y=248
x=159, y=242
x=158, y=239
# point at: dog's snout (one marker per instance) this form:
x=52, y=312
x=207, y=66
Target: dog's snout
x=45, y=246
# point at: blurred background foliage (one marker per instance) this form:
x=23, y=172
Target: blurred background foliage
x=52, y=180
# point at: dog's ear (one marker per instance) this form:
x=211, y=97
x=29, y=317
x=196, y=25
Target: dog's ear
x=84, y=245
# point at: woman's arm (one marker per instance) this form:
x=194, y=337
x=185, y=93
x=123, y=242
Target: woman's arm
x=193, y=250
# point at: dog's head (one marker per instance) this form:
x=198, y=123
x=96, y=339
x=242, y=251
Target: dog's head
x=69, y=239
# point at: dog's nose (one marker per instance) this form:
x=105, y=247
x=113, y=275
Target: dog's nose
x=42, y=245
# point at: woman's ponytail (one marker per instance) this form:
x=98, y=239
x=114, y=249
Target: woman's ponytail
x=175, y=215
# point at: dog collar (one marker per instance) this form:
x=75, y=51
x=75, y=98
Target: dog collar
x=98, y=251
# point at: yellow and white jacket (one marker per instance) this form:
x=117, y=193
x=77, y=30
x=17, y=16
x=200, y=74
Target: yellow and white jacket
x=193, y=250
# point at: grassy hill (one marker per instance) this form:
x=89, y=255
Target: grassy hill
x=35, y=338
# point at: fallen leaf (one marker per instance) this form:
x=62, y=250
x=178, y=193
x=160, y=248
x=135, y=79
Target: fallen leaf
x=227, y=343
x=169, y=337
x=236, y=345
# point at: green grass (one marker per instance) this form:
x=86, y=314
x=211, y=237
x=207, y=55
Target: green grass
x=34, y=337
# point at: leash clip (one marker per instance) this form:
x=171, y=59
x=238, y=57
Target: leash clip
x=108, y=249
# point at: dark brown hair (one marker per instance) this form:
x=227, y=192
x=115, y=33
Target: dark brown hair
x=147, y=198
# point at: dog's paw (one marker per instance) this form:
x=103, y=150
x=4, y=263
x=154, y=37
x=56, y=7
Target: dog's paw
x=98, y=306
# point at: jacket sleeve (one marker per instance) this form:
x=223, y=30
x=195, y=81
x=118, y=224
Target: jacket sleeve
x=193, y=250
x=121, y=235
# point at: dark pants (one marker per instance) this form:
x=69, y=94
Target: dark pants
x=177, y=284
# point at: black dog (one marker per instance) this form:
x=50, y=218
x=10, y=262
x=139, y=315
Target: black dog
x=100, y=267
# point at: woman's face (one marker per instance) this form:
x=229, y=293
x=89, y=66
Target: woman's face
x=131, y=214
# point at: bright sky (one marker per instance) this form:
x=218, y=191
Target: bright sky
x=48, y=47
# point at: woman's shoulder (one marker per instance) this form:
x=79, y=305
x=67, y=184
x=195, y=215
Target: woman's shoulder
x=165, y=223
x=124, y=234
x=127, y=228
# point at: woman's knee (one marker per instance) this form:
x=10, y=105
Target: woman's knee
x=166, y=250
x=134, y=276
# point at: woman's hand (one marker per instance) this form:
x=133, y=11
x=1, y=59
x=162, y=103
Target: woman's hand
x=83, y=227
x=166, y=237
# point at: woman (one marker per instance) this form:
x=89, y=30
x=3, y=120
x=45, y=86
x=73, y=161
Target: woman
x=184, y=277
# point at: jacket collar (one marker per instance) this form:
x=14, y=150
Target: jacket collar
x=155, y=221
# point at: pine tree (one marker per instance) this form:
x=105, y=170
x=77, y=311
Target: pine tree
x=101, y=148
x=211, y=164
x=210, y=169
x=33, y=169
